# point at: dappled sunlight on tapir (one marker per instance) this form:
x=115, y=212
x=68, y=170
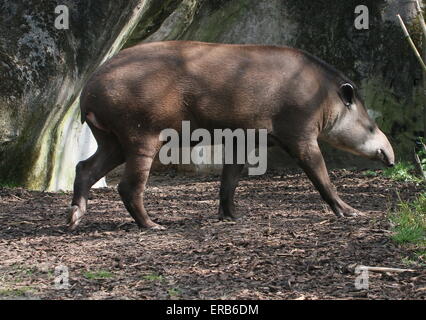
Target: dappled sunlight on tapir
x=150, y=87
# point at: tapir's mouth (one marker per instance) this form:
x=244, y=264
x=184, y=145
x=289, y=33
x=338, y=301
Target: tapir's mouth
x=384, y=157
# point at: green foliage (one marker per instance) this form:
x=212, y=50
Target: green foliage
x=8, y=184
x=16, y=292
x=418, y=259
x=371, y=173
x=402, y=171
x=410, y=222
x=173, y=292
x=96, y=275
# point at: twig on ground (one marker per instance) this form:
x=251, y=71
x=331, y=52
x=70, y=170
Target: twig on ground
x=383, y=269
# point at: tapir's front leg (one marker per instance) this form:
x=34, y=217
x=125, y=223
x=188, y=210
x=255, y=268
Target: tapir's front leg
x=310, y=159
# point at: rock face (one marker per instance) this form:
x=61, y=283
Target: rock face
x=43, y=69
x=42, y=72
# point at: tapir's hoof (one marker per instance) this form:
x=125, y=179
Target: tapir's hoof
x=153, y=226
x=348, y=213
x=74, y=217
x=354, y=213
x=233, y=217
x=157, y=227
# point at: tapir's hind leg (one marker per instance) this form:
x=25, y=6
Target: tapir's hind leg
x=108, y=156
x=132, y=186
x=229, y=181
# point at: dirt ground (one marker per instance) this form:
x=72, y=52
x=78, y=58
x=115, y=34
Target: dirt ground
x=287, y=246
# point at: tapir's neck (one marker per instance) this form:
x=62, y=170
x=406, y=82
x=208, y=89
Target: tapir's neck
x=329, y=118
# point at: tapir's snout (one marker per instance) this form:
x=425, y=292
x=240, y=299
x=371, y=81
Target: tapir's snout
x=386, y=156
x=384, y=151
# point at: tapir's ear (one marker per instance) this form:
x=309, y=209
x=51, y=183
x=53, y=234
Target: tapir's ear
x=347, y=93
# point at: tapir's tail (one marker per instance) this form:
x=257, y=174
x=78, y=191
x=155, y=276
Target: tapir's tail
x=89, y=116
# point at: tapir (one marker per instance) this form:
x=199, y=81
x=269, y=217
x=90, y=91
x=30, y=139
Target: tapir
x=298, y=98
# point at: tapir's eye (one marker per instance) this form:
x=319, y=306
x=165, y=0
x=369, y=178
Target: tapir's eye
x=347, y=94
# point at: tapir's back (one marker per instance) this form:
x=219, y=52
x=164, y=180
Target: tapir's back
x=215, y=85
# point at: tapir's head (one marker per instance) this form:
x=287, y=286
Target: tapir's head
x=353, y=130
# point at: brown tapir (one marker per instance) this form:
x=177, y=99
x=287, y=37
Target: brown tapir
x=144, y=89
